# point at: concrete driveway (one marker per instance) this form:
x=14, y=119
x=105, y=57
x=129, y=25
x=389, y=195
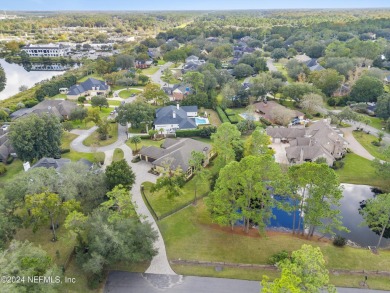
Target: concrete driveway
x=280, y=152
x=156, y=77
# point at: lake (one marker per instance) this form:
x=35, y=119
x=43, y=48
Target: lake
x=17, y=76
x=350, y=204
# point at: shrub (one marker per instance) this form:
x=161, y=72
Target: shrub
x=233, y=119
x=265, y=121
x=3, y=169
x=376, y=143
x=229, y=112
x=278, y=257
x=10, y=159
x=81, y=99
x=222, y=115
x=339, y=241
x=338, y=165
x=67, y=126
x=64, y=151
x=188, y=133
x=332, y=102
x=30, y=103
x=207, y=131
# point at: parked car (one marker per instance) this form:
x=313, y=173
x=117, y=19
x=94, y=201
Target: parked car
x=132, y=95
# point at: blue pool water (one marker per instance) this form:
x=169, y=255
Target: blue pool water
x=200, y=121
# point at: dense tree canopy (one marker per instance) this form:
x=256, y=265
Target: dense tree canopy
x=34, y=137
x=367, y=89
x=136, y=113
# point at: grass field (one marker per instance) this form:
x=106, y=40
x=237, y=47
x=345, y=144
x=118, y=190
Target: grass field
x=161, y=204
x=67, y=137
x=93, y=139
x=280, y=67
x=150, y=70
x=365, y=140
x=114, y=103
x=376, y=122
x=190, y=235
x=145, y=142
x=94, y=75
x=127, y=93
x=213, y=117
x=358, y=170
x=118, y=155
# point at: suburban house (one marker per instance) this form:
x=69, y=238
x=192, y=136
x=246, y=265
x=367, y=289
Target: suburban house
x=6, y=148
x=314, y=65
x=143, y=64
x=90, y=87
x=387, y=79
x=170, y=118
x=266, y=109
x=46, y=50
x=192, y=63
x=178, y=91
x=59, y=108
x=154, y=53
x=319, y=140
x=175, y=153
x=342, y=91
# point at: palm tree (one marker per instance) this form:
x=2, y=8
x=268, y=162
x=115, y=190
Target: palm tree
x=136, y=140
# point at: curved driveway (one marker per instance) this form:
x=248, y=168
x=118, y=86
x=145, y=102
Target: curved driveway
x=159, y=264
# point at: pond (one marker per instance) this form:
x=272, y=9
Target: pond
x=18, y=76
x=350, y=204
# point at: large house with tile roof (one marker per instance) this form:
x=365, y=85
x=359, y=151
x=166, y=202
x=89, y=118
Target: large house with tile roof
x=319, y=140
x=90, y=87
x=175, y=153
x=171, y=118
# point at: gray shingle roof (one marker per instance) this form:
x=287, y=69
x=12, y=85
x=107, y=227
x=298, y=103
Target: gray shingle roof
x=87, y=85
x=165, y=115
x=51, y=163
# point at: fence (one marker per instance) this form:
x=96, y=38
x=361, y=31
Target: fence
x=175, y=210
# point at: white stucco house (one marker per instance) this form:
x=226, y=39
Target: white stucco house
x=170, y=118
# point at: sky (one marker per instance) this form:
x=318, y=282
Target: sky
x=117, y=5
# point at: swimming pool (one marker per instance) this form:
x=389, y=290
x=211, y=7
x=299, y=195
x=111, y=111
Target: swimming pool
x=201, y=121
x=248, y=116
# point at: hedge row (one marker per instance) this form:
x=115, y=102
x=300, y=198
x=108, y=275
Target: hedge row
x=222, y=115
x=233, y=119
x=229, y=112
x=188, y=133
x=265, y=121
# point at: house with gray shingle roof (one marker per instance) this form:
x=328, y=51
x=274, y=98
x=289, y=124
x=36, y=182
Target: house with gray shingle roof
x=90, y=87
x=175, y=153
x=319, y=140
x=59, y=108
x=171, y=118
x=6, y=148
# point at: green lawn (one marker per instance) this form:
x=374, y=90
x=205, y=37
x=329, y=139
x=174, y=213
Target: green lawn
x=213, y=117
x=145, y=142
x=161, y=204
x=170, y=80
x=127, y=93
x=150, y=70
x=114, y=103
x=376, y=122
x=161, y=62
x=59, y=97
x=365, y=140
x=82, y=125
x=358, y=170
x=93, y=139
x=12, y=169
x=283, y=70
x=94, y=75
x=190, y=235
x=118, y=155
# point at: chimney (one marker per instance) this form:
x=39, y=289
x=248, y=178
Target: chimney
x=174, y=114
x=177, y=106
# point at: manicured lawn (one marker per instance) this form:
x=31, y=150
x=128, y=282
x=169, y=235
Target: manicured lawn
x=93, y=139
x=118, y=155
x=114, y=103
x=75, y=156
x=358, y=170
x=161, y=62
x=365, y=140
x=213, y=117
x=150, y=70
x=67, y=138
x=190, y=235
x=161, y=204
x=12, y=169
x=127, y=93
x=145, y=142
x=170, y=80
x=376, y=122
x=94, y=75
x=82, y=125
x=60, y=97
x=283, y=70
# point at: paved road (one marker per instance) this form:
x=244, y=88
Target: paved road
x=156, y=77
x=159, y=264
x=125, y=282
x=354, y=145
x=270, y=65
